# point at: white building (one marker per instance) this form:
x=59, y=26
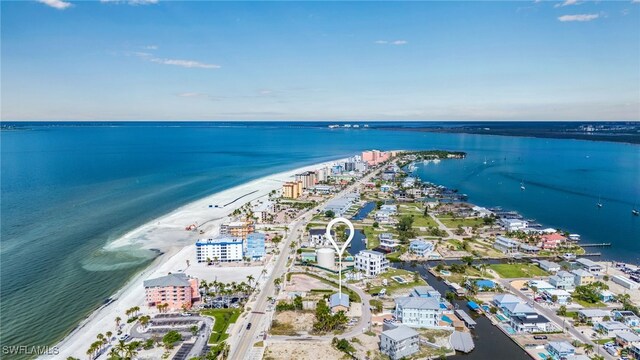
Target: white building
x=370, y=262
x=549, y=266
x=589, y=265
x=506, y=245
x=262, y=212
x=562, y=296
x=514, y=224
x=625, y=282
x=418, y=312
x=221, y=248
x=387, y=242
x=563, y=280
x=399, y=342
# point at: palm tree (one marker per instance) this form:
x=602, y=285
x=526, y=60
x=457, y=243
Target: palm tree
x=144, y=320
x=250, y=279
x=118, y=319
x=120, y=347
x=109, y=335
x=588, y=348
x=131, y=350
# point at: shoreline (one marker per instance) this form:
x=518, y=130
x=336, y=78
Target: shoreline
x=167, y=235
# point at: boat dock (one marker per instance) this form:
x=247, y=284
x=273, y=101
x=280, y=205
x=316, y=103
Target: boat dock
x=595, y=245
x=466, y=318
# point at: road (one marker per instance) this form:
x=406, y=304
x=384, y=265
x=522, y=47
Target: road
x=551, y=315
x=246, y=338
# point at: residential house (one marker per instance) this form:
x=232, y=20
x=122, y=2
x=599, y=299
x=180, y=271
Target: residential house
x=611, y=328
x=628, y=318
x=418, y=312
x=530, y=323
x=517, y=309
x=387, y=242
x=383, y=217
x=506, y=245
x=563, y=280
x=606, y=296
x=582, y=277
x=421, y=248
x=540, y=285
x=426, y=292
x=318, y=238
x=626, y=339
x=589, y=266
x=562, y=296
x=504, y=299
x=400, y=342
x=371, y=263
x=514, y=224
x=560, y=349
x=178, y=291
x=549, y=266
x=551, y=241
x=339, y=302
x=593, y=315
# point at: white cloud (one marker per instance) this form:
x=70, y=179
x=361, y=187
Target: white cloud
x=578, y=17
x=151, y=47
x=266, y=92
x=130, y=2
x=57, y=4
x=394, y=42
x=567, y=3
x=185, y=63
x=191, y=94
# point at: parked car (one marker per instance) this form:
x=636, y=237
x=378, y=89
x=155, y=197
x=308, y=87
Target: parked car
x=248, y=326
x=540, y=337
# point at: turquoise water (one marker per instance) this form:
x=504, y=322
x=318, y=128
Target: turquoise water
x=67, y=191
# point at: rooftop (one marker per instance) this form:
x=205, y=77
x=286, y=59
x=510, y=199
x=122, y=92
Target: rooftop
x=506, y=299
x=177, y=279
x=587, y=262
x=339, y=299
x=562, y=346
x=400, y=333
x=418, y=303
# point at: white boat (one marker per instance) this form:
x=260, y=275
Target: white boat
x=356, y=126
x=485, y=160
x=347, y=125
x=599, y=204
x=522, y=185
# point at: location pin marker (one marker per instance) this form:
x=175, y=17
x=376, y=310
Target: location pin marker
x=339, y=250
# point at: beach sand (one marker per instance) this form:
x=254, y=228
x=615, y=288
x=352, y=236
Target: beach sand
x=167, y=234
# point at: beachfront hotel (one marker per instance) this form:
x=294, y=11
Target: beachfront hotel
x=177, y=290
x=222, y=248
x=292, y=190
x=375, y=157
x=308, y=178
x=255, y=246
x=238, y=229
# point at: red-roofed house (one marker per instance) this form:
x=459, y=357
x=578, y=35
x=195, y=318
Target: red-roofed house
x=551, y=241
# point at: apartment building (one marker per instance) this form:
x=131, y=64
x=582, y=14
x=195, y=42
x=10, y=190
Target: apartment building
x=177, y=290
x=219, y=249
x=371, y=263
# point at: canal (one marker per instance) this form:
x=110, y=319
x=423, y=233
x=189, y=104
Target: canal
x=490, y=342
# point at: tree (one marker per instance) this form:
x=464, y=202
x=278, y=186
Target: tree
x=194, y=330
x=170, y=338
x=450, y=296
x=562, y=311
x=250, y=279
x=588, y=348
x=467, y=260
x=329, y=214
x=118, y=319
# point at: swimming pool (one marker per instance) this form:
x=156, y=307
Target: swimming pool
x=501, y=317
x=399, y=279
x=447, y=319
x=485, y=308
x=445, y=272
x=544, y=355
x=510, y=330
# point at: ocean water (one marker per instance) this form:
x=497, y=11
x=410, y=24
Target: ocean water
x=66, y=191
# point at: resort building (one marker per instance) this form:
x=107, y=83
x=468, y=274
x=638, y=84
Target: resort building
x=418, y=312
x=506, y=245
x=514, y=224
x=589, y=266
x=292, y=190
x=583, y=277
x=549, y=266
x=308, y=179
x=560, y=349
x=222, y=248
x=563, y=280
x=238, y=229
x=387, y=242
x=339, y=302
x=421, y=248
x=371, y=263
x=177, y=290
x=375, y=157
x=400, y=342
x=593, y=315
x=255, y=246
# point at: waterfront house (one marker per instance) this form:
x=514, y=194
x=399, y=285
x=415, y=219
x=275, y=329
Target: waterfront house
x=390, y=208
x=589, y=266
x=219, y=249
x=504, y=299
x=634, y=351
x=387, y=242
x=482, y=211
x=551, y=241
x=560, y=349
x=382, y=217
x=563, y=280
x=255, y=246
x=517, y=309
x=582, y=277
x=531, y=322
x=400, y=342
x=339, y=302
x=506, y=245
x=371, y=263
x=562, y=296
x=514, y=224
x=549, y=266
x=628, y=318
x=177, y=291
x=318, y=238
x=426, y=292
x=610, y=328
x=529, y=249
x=593, y=315
x=421, y=248
x=418, y=312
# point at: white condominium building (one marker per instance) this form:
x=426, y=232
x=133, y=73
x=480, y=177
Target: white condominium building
x=219, y=249
x=371, y=262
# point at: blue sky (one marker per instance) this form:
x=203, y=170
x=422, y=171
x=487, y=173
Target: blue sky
x=190, y=60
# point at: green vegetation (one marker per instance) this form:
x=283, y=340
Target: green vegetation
x=405, y=228
x=452, y=222
x=394, y=286
x=588, y=295
x=170, y=338
x=296, y=304
x=278, y=328
x=259, y=344
x=325, y=321
x=223, y=318
x=517, y=270
x=376, y=305
x=343, y=345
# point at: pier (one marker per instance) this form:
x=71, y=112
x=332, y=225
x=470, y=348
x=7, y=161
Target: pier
x=595, y=245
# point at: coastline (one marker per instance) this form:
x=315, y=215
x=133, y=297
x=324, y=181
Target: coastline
x=167, y=235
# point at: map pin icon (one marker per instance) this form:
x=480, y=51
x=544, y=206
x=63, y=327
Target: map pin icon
x=339, y=250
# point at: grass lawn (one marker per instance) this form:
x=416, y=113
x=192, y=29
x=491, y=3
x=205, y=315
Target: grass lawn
x=421, y=221
x=452, y=223
x=603, y=341
x=517, y=270
x=394, y=286
x=588, y=304
x=223, y=318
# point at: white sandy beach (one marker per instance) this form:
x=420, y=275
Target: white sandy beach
x=168, y=235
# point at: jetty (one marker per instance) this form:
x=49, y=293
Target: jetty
x=595, y=245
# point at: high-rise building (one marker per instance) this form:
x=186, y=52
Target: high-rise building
x=375, y=157
x=238, y=228
x=323, y=174
x=222, y=248
x=308, y=178
x=177, y=290
x=292, y=190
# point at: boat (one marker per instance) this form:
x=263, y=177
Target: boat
x=522, y=185
x=485, y=160
x=635, y=212
x=599, y=204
